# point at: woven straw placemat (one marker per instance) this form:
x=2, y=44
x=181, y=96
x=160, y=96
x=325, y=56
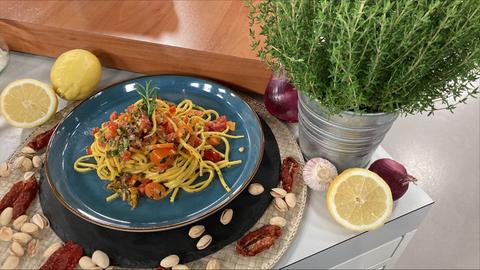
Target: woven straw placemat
x=227, y=256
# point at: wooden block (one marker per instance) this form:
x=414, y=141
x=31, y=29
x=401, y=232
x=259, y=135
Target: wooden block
x=136, y=55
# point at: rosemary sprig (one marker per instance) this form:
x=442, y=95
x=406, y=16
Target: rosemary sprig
x=149, y=96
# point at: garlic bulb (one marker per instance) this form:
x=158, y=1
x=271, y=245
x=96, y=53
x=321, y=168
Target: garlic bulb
x=318, y=173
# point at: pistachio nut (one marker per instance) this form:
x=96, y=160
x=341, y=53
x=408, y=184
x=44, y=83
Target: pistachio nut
x=101, y=259
x=196, y=231
x=29, y=228
x=226, y=216
x=19, y=221
x=279, y=221
x=280, y=205
x=16, y=249
x=27, y=164
x=255, y=189
x=37, y=161
x=204, y=242
x=6, y=216
x=169, y=261
x=278, y=192
x=86, y=262
x=6, y=234
x=213, y=265
x=291, y=200
x=17, y=163
x=28, y=150
x=11, y=262
x=32, y=247
x=4, y=170
x=28, y=175
x=180, y=267
x=40, y=220
x=22, y=238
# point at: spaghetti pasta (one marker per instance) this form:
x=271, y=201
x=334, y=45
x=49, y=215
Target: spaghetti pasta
x=160, y=151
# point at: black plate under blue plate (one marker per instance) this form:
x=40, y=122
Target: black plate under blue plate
x=146, y=249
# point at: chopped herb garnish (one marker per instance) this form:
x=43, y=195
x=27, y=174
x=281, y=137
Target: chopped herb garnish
x=112, y=153
x=163, y=160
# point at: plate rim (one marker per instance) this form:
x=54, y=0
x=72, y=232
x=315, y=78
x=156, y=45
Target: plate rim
x=157, y=228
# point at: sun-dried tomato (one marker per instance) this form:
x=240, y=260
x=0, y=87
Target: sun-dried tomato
x=171, y=137
x=212, y=156
x=219, y=124
x=65, y=258
x=194, y=140
x=258, y=240
x=113, y=116
x=145, y=124
x=11, y=195
x=41, y=140
x=290, y=168
x=25, y=197
x=168, y=127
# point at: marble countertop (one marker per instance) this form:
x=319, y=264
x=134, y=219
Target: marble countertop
x=317, y=231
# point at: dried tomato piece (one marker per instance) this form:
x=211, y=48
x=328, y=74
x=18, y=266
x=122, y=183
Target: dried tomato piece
x=212, y=156
x=41, y=140
x=219, y=124
x=26, y=196
x=194, y=140
x=258, y=240
x=65, y=258
x=290, y=168
x=10, y=197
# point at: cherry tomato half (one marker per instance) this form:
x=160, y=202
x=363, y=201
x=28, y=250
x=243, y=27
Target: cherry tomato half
x=155, y=191
x=162, y=156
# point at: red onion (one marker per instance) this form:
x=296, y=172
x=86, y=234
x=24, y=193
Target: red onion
x=394, y=174
x=281, y=98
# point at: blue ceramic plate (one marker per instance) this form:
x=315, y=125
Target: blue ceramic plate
x=84, y=193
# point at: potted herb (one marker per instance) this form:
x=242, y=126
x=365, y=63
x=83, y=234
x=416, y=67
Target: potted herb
x=359, y=64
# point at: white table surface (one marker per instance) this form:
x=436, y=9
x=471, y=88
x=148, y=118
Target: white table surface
x=317, y=231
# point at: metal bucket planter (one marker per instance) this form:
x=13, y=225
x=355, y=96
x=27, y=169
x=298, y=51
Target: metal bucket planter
x=347, y=140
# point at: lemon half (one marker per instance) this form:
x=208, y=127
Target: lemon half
x=28, y=103
x=359, y=200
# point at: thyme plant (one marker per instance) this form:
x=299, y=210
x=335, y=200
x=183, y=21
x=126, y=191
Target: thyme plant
x=373, y=55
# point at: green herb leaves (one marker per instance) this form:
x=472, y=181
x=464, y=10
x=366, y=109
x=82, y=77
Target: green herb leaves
x=149, y=97
x=373, y=56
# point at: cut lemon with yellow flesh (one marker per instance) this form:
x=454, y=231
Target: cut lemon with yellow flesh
x=359, y=200
x=28, y=103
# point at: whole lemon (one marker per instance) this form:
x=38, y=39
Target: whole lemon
x=75, y=74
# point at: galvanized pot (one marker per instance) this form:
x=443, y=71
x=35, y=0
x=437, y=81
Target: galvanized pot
x=347, y=140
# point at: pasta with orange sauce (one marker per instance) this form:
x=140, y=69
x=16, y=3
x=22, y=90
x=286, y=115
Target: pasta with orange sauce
x=156, y=148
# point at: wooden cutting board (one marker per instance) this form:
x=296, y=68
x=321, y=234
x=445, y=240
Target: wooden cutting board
x=205, y=38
